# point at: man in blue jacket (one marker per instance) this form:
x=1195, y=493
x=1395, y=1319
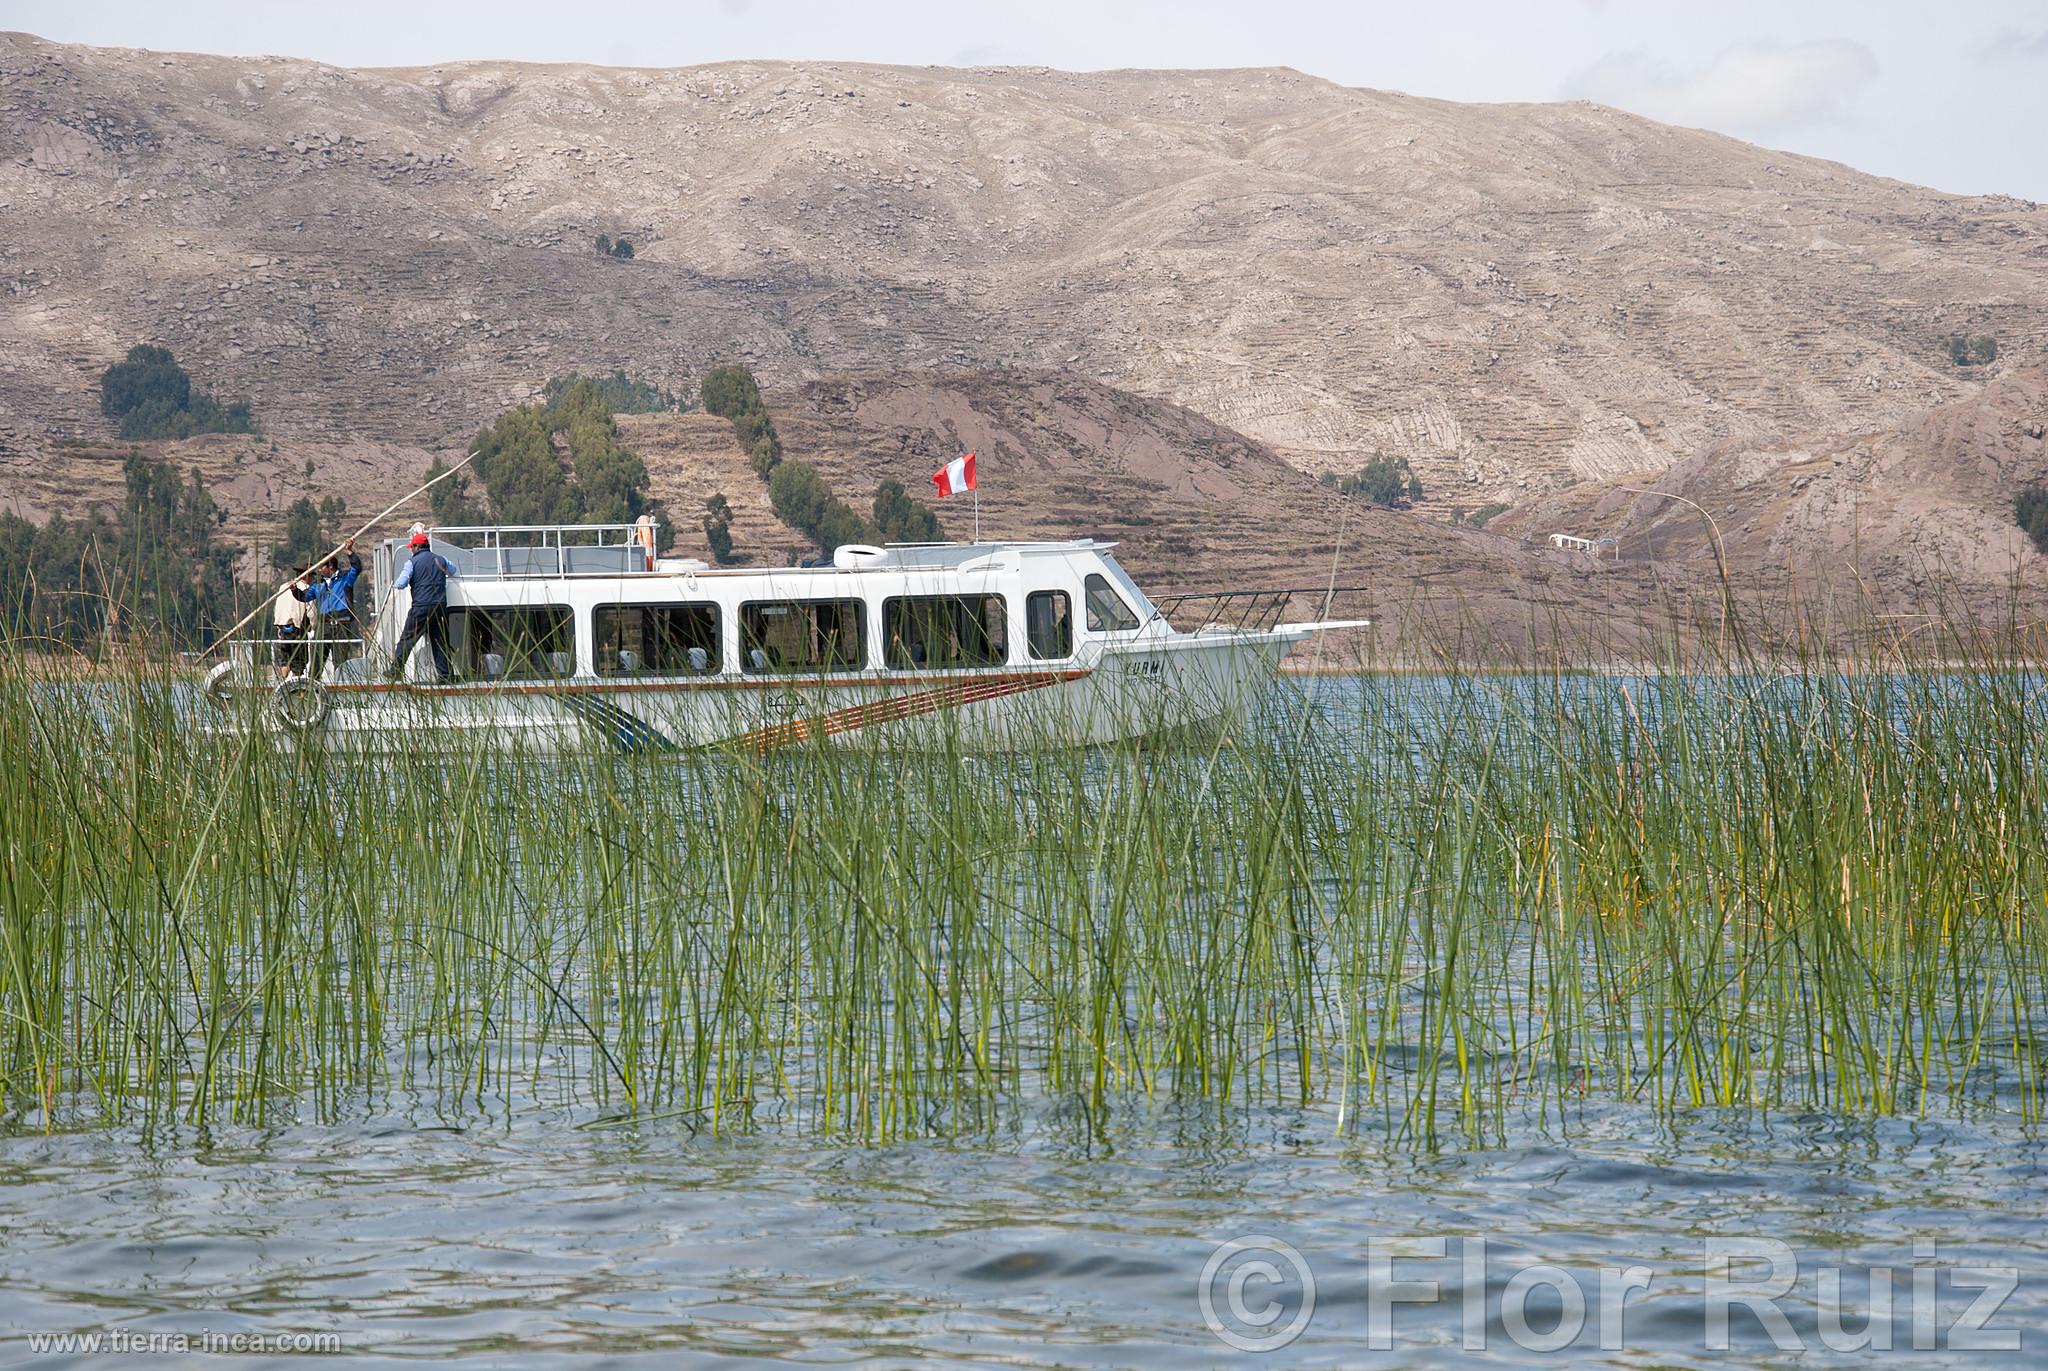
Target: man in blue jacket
x=334, y=595
x=426, y=575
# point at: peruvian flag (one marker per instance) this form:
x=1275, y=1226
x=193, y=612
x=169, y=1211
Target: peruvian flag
x=955, y=476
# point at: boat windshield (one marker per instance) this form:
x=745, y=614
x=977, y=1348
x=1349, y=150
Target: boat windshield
x=1133, y=596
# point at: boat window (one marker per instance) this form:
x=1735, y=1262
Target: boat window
x=801, y=635
x=1127, y=590
x=937, y=631
x=512, y=643
x=1107, y=613
x=1049, y=624
x=655, y=640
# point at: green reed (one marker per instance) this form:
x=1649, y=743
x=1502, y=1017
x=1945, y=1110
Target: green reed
x=1425, y=905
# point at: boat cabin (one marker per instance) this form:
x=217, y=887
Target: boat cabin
x=552, y=602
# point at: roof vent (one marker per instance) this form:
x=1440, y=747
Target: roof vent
x=851, y=555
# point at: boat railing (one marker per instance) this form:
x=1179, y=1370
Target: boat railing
x=1249, y=611
x=528, y=550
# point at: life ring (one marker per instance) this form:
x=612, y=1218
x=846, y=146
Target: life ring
x=223, y=681
x=300, y=703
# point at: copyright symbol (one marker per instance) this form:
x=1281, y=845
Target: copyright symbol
x=1248, y=1287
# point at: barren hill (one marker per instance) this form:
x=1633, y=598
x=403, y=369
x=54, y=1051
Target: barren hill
x=1154, y=296
x=1193, y=506
x=1511, y=295
x=1198, y=507
x=1916, y=517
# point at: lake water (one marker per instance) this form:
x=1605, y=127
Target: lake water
x=526, y=1231
x=532, y=1241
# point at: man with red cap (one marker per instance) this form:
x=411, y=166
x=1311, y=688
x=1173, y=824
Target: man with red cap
x=426, y=575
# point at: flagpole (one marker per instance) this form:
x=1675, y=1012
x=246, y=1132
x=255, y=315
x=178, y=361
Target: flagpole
x=977, y=514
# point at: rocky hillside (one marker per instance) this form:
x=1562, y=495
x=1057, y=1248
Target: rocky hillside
x=1908, y=520
x=1511, y=295
x=1194, y=507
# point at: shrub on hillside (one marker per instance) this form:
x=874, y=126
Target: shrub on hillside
x=900, y=519
x=718, y=528
x=624, y=394
x=1385, y=481
x=750, y=426
x=2030, y=511
x=803, y=501
x=729, y=391
x=149, y=375
x=1980, y=351
x=559, y=463
x=153, y=398
x=799, y=495
x=1480, y=517
x=310, y=532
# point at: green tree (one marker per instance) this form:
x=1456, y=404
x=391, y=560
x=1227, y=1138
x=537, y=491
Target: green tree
x=752, y=425
x=1980, y=351
x=157, y=569
x=2030, y=511
x=604, y=245
x=310, y=532
x=840, y=525
x=900, y=519
x=622, y=250
x=149, y=375
x=559, y=463
x=729, y=391
x=718, y=528
x=610, y=481
x=804, y=502
x=452, y=503
x=52, y=578
x=153, y=398
x=523, y=477
x=798, y=495
x=624, y=394
x=169, y=568
x=1385, y=481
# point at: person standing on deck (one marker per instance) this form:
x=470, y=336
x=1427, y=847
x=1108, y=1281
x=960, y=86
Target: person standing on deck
x=294, y=617
x=644, y=539
x=426, y=575
x=334, y=594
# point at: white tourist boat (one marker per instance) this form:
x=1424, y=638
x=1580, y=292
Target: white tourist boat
x=569, y=636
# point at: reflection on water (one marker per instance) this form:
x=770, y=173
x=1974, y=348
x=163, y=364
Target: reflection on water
x=531, y=1239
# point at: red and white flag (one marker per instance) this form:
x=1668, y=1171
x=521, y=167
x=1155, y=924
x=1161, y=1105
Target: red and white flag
x=955, y=476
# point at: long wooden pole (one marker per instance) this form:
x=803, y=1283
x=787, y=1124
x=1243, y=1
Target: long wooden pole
x=388, y=511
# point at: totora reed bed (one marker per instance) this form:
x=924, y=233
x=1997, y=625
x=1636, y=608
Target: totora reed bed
x=1431, y=907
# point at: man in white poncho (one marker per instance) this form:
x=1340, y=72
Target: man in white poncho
x=294, y=622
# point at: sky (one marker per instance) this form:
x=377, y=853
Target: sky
x=1949, y=96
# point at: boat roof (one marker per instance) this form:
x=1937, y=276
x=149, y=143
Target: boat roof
x=956, y=554
x=525, y=551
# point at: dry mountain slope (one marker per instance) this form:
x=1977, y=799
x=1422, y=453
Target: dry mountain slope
x=1918, y=514
x=1510, y=294
x=1197, y=507
x=1193, y=506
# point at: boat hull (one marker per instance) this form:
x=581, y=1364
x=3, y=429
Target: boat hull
x=1158, y=687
